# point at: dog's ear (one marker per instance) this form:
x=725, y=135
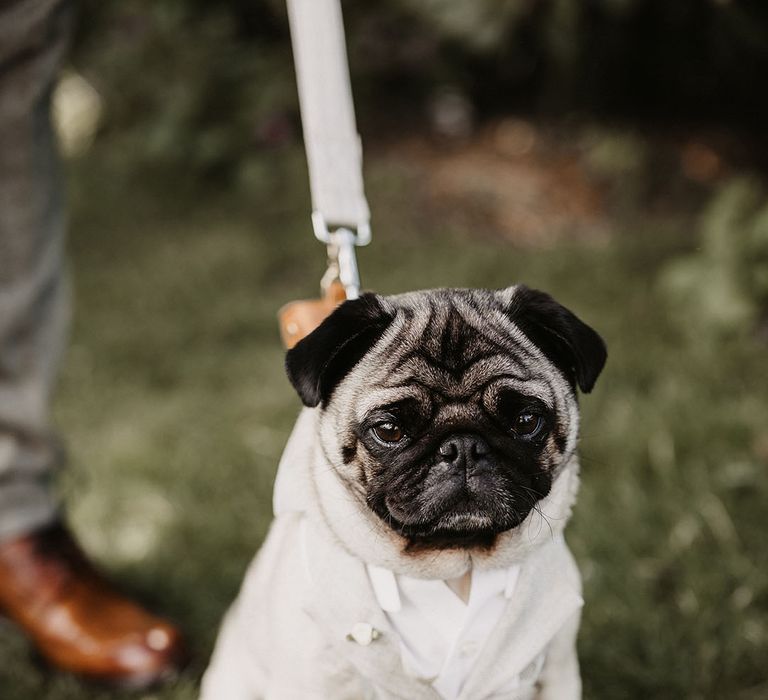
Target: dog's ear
x=317, y=363
x=569, y=343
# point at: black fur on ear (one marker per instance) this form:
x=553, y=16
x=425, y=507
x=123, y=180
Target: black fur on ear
x=569, y=343
x=317, y=363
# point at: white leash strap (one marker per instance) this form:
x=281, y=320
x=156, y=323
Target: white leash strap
x=334, y=153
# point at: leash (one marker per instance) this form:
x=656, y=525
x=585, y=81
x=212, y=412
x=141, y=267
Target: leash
x=340, y=214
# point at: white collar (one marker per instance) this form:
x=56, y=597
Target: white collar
x=385, y=583
x=441, y=634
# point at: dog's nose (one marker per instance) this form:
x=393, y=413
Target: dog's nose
x=463, y=449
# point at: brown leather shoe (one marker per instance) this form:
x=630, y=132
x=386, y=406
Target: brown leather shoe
x=77, y=620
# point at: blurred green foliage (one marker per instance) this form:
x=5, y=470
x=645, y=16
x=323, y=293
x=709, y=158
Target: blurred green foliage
x=187, y=85
x=201, y=85
x=723, y=287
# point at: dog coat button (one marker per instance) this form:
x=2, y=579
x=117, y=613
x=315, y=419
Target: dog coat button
x=363, y=633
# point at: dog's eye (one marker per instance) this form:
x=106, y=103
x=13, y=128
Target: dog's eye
x=388, y=432
x=527, y=424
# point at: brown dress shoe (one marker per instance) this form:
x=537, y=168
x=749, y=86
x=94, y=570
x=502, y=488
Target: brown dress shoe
x=77, y=620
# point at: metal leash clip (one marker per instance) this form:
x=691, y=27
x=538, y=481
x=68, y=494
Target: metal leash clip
x=341, y=281
x=342, y=261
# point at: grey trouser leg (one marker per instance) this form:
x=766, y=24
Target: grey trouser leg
x=33, y=299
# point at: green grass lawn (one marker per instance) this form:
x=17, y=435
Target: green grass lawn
x=175, y=409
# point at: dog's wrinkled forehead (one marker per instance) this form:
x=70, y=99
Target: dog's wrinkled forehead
x=448, y=334
x=451, y=347
x=449, y=342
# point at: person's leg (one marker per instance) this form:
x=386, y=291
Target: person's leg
x=45, y=579
x=33, y=299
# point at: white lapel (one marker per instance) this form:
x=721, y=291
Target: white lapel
x=544, y=598
x=342, y=597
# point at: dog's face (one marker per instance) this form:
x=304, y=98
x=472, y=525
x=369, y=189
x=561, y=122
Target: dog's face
x=448, y=413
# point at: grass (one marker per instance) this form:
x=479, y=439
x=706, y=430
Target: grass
x=175, y=409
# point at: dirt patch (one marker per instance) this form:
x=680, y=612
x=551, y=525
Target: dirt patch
x=510, y=180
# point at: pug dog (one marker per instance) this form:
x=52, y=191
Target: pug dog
x=417, y=547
